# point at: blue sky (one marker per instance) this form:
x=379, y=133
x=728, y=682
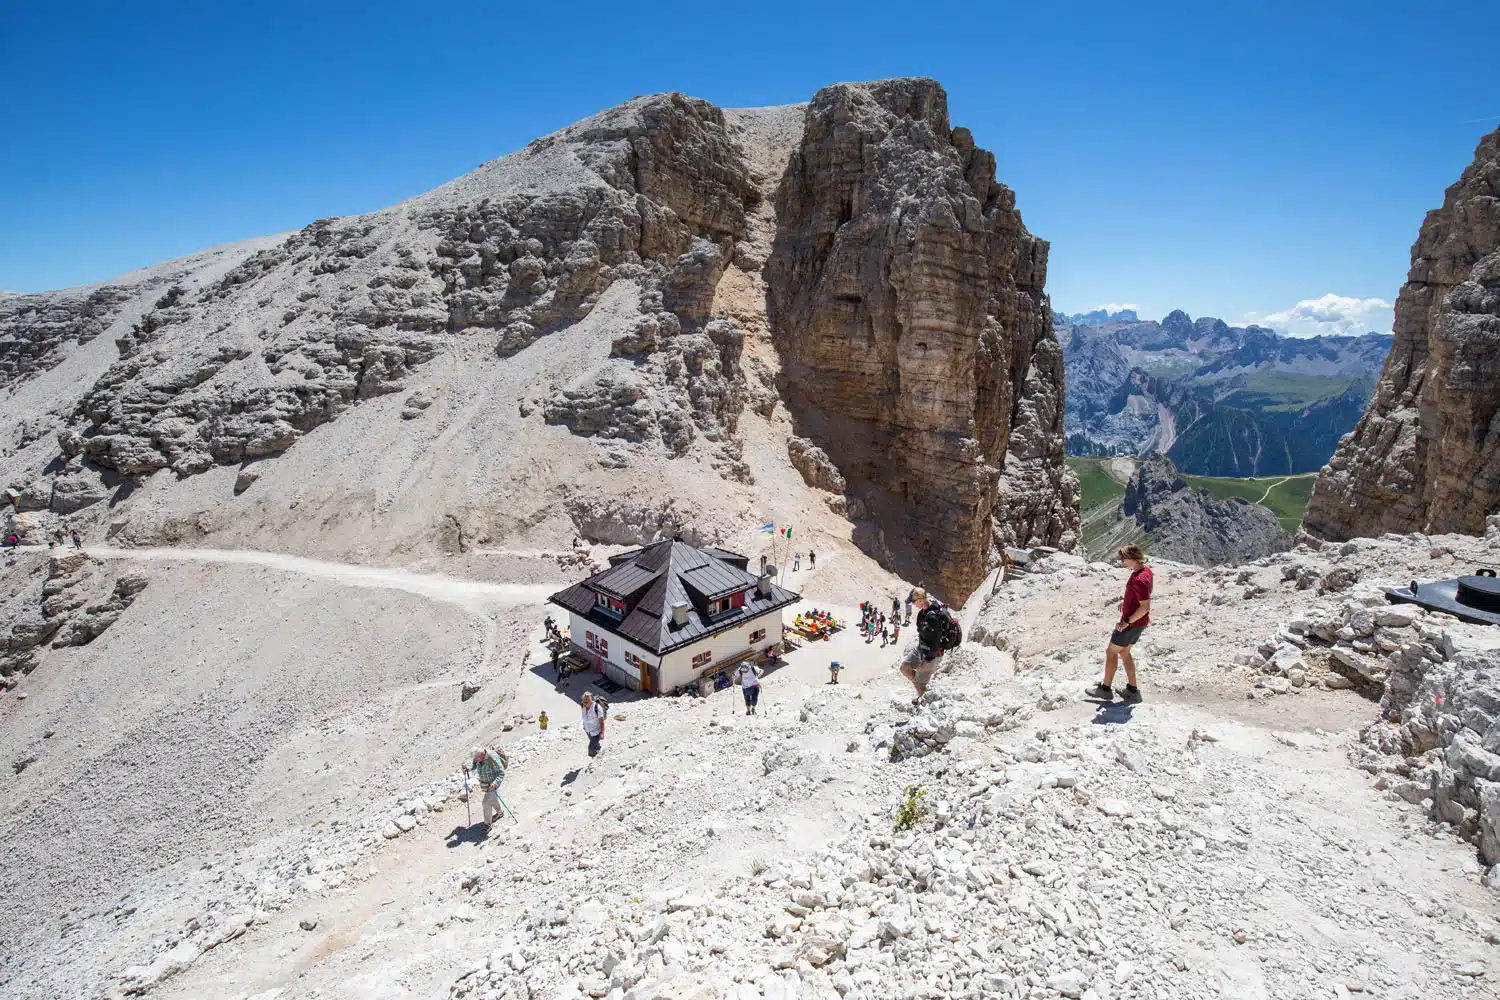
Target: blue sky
x=1234, y=159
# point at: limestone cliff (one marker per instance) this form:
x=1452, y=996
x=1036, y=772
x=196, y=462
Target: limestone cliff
x=906, y=300
x=1426, y=455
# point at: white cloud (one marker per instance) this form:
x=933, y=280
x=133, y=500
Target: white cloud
x=1331, y=315
x=1115, y=307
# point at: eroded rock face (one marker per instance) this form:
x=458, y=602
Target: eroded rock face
x=35, y=328
x=73, y=609
x=1188, y=525
x=653, y=192
x=906, y=300
x=1426, y=455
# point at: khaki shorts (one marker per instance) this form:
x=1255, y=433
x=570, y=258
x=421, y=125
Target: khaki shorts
x=922, y=666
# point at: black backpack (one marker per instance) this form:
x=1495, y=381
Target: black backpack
x=937, y=628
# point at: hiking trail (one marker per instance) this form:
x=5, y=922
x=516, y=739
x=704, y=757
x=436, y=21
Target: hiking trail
x=469, y=594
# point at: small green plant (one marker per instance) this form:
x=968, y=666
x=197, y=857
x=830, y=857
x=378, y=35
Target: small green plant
x=911, y=810
x=758, y=866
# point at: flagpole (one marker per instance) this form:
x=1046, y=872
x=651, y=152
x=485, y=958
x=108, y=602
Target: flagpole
x=774, y=550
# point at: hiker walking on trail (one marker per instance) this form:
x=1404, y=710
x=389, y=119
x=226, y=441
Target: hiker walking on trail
x=557, y=663
x=937, y=632
x=796, y=561
x=833, y=671
x=748, y=675
x=488, y=767
x=77, y=539
x=911, y=597
x=1135, y=615
x=593, y=723
x=812, y=559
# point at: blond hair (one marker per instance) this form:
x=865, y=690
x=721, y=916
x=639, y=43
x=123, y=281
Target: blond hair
x=918, y=595
x=1132, y=552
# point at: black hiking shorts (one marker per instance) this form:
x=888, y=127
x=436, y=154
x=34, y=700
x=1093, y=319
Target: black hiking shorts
x=1126, y=636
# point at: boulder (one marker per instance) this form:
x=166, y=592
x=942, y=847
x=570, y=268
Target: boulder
x=76, y=489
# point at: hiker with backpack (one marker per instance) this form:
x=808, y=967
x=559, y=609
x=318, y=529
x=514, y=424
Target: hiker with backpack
x=489, y=770
x=748, y=675
x=595, y=711
x=1135, y=615
x=937, y=632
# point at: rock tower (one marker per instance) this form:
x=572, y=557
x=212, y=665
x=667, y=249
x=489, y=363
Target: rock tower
x=1426, y=455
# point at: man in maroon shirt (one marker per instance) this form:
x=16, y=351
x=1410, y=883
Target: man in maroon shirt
x=1135, y=615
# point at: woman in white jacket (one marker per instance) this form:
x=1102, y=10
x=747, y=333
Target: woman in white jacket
x=749, y=676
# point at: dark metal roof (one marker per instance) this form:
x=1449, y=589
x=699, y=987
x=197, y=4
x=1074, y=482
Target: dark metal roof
x=672, y=572
x=724, y=555
x=623, y=580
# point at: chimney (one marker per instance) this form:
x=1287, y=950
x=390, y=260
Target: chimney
x=679, y=613
x=763, y=565
x=764, y=586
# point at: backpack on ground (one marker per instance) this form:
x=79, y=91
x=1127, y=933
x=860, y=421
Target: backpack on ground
x=938, y=628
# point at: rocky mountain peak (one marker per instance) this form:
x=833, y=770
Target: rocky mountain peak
x=1188, y=525
x=1179, y=324
x=1426, y=455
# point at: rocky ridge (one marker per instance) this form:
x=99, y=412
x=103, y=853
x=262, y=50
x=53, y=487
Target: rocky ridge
x=652, y=192
x=1426, y=455
x=1188, y=525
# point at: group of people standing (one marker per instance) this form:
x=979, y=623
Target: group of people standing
x=873, y=622
x=812, y=560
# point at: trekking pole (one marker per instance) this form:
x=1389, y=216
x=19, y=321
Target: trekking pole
x=468, y=809
x=508, y=809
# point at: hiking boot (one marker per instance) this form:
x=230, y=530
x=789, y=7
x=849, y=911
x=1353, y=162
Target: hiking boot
x=1132, y=694
x=1101, y=691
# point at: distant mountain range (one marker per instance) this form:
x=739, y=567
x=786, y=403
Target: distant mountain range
x=1218, y=400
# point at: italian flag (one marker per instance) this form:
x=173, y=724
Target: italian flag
x=786, y=532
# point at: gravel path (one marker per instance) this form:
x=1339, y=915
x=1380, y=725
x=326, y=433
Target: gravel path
x=465, y=593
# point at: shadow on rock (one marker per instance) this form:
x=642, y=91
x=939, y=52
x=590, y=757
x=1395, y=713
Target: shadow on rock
x=471, y=834
x=1113, y=713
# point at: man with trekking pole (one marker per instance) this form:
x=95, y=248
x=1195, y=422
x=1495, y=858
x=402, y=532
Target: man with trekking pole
x=489, y=770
